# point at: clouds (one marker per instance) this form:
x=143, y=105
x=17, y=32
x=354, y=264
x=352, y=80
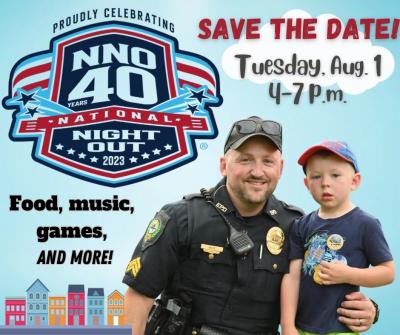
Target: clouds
x=354, y=65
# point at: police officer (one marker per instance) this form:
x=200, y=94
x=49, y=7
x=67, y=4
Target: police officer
x=225, y=250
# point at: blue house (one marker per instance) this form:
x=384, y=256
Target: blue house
x=37, y=304
x=95, y=307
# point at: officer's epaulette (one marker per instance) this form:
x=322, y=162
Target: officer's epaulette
x=293, y=208
x=192, y=196
x=198, y=195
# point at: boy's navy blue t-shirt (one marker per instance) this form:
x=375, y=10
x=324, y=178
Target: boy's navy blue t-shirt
x=356, y=239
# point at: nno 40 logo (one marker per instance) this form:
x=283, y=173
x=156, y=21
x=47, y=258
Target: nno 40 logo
x=113, y=103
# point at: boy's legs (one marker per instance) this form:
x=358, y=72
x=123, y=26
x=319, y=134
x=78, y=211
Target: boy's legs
x=308, y=333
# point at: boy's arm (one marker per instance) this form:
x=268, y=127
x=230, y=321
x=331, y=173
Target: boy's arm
x=340, y=273
x=289, y=297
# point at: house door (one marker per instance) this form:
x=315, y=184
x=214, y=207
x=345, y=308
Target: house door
x=95, y=320
x=12, y=320
x=58, y=320
x=76, y=320
x=37, y=320
x=115, y=320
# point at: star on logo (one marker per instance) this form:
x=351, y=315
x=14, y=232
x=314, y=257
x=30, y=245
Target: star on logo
x=168, y=147
x=156, y=151
x=145, y=155
x=25, y=98
x=71, y=151
x=82, y=155
x=93, y=159
x=59, y=146
x=198, y=95
x=32, y=111
x=192, y=108
x=133, y=159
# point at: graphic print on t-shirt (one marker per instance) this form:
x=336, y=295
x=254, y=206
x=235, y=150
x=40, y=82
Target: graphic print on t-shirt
x=322, y=247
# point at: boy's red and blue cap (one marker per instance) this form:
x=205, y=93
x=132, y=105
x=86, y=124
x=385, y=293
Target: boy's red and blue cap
x=338, y=148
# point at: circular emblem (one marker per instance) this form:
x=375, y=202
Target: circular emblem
x=275, y=239
x=152, y=230
x=335, y=242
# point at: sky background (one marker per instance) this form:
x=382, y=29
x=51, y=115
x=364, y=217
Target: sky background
x=369, y=122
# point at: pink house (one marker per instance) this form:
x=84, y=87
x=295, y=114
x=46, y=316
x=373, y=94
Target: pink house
x=76, y=305
x=15, y=311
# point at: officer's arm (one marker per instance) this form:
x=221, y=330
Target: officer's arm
x=137, y=308
x=357, y=312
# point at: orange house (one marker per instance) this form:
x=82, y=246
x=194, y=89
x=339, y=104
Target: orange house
x=57, y=311
x=115, y=309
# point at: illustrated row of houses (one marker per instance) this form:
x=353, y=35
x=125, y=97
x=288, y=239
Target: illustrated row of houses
x=40, y=309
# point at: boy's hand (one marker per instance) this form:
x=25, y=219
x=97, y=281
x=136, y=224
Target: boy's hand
x=333, y=273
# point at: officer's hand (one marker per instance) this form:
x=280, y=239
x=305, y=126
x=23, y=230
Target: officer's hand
x=357, y=312
x=333, y=273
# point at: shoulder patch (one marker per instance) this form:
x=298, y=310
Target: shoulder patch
x=155, y=229
x=293, y=208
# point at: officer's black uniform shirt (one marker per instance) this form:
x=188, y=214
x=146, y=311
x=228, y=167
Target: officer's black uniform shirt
x=237, y=294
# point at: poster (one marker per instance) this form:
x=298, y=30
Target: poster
x=72, y=212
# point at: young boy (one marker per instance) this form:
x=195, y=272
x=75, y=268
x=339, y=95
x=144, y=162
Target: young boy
x=331, y=249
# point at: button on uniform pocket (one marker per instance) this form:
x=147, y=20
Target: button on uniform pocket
x=267, y=277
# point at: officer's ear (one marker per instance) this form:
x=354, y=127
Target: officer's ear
x=222, y=165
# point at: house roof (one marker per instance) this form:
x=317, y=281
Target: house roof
x=116, y=292
x=96, y=292
x=38, y=282
x=76, y=288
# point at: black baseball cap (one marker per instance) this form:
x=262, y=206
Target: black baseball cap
x=242, y=130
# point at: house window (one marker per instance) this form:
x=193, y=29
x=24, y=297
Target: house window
x=81, y=312
x=44, y=307
x=23, y=308
x=71, y=302
x=30, y=307
x=8, y=308
x=17, y=318
x=110, y=302
x=22, y=317
x=90, y=312
x=121, y=302
x=62, y=312
x=52, y=302
x=80, y=302
x=57, y=312
x=44, y=296
x=71, y=312
x=37, y=307
x=52, y=312
x=95, y=312
x=17, y=308
x=12, y=308
x=110, y=312
x=31, y=296
x=101, y=312
x=37, y=295
x=121, y=311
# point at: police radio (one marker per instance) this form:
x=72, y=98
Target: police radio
x=239, y=241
